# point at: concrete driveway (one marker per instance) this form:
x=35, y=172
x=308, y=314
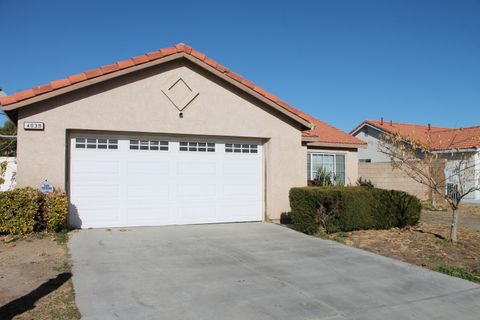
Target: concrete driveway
x=252, y=271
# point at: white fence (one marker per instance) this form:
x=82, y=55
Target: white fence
x=9, y=175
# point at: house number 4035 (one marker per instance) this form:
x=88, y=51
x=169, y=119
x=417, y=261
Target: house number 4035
x=33, y=125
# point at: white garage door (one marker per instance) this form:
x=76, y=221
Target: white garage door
x=118, y=181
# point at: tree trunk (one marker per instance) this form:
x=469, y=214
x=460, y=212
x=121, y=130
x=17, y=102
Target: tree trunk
x=453, y=229
x=434, y=200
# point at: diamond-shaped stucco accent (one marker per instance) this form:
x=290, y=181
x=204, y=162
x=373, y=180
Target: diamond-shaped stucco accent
x=179, y=93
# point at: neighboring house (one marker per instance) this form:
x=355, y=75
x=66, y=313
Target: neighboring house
x=8, y=168
x=450, y=143
x=170, y=137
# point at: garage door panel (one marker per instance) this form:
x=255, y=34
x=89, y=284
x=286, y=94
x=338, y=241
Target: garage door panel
x=159, y=214
x=196, y=167
x=105, y=192
x=125, y=187
x=151, y=192
x=194, y=191
x=99, y=214
x=94, y=167
x=150, y=168
x=198, y=214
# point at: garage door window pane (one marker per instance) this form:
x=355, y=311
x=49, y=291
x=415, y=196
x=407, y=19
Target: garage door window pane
x=94, y=143
x=153, y=145
x=197, y=146
x=80, y=143
x=241, y=148
x=144, y=145
x=112, y=144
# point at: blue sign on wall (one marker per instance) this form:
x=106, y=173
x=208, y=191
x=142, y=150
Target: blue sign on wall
x=46, y=187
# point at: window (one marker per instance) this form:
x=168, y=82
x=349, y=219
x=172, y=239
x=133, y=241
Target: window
x=96, y=143
x=365, y=160
x=333, y=164
x=197, y=146
x=148, y=145
x=241, y=148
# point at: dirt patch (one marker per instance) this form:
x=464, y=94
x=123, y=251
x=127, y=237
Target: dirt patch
x=469, y=216
x=35, y=280
x=426, y=244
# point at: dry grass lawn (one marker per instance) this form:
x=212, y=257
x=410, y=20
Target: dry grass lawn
x=35, y=278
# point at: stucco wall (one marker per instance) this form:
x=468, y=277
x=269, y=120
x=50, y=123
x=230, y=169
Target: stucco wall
x=351, y=162
x=135, y=103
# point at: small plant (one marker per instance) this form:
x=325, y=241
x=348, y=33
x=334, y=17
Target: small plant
x=324, y=178
x=62, y=236
x=365, y=183
x=340, y=237
x=459, y=272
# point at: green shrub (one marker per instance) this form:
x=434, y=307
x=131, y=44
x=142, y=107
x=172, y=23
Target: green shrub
x=55, y=211
x=351, y=208
x=19, y=211
x=25, y=210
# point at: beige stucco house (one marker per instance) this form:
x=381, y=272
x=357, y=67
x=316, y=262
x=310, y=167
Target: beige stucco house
x=170, y=137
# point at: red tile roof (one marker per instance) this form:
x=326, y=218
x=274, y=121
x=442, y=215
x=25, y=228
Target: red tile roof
x=440, y=138
x=321, y=130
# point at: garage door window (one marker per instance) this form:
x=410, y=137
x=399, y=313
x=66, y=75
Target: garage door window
x=96, y=143
x=241, y=148
x=154, y=145
x=197, y=146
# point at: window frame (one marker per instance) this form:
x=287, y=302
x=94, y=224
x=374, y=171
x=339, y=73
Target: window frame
x=310, y=174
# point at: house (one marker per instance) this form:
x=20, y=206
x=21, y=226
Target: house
x=452, y=144
x=170, y=137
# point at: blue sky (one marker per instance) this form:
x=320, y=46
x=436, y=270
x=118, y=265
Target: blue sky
x=341, y=61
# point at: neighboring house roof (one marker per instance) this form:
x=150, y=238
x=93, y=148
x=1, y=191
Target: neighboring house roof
x=320, y=131
x=439, y=138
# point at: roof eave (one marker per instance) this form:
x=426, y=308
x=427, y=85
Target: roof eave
x=363, y=124
x=336, y=145
x=10, y=107
x=453, y=150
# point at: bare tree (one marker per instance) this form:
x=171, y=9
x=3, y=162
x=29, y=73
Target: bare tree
x=421, y=162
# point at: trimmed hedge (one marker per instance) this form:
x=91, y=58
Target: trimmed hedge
x=351, y=208
x=19, y=210
x=55, y=211
x=25, y=210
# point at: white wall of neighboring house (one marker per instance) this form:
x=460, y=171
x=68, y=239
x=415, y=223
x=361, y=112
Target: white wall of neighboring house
x=473, y=174
x=372, y=137
x=9, y=175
